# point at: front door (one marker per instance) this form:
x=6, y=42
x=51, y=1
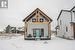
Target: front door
x=37, y=33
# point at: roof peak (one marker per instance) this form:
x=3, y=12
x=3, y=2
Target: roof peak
x=37, y=9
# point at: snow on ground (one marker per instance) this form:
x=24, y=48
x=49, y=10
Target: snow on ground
x=17, y=42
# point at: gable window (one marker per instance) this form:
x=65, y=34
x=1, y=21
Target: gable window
x=33, y=20
x=41, y=20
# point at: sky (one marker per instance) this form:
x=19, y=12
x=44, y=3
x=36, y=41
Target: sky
x=19, y=9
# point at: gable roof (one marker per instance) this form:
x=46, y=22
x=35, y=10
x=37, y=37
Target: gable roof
x=72, y=8
x=61, y=12
x=37, y=9
x=65, y=11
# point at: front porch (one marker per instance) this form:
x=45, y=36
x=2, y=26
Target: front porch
x=38, y=34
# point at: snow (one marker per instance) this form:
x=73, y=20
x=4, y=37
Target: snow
x=17, y=42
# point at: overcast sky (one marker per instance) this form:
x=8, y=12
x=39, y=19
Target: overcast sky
x=18, y=9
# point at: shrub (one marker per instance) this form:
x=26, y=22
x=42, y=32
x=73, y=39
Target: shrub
x=29, y=35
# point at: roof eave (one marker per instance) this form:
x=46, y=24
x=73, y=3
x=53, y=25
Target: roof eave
x=72, y=8
x=34, y=11
x=61, y=12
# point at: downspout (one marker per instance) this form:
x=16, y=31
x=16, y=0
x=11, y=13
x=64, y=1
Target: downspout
x=71, y=16
x=49, y=29
x=71, y=23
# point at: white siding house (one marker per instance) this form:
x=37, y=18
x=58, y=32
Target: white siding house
x=66, y=24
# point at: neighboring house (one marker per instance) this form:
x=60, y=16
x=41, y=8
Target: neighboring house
x=37, y=26
x=66, y=24
x=20, y=30
x=10, y=29
x=13, y=29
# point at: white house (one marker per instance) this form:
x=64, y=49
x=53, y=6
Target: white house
x=66, y=24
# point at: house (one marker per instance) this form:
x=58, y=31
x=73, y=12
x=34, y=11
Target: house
x=13, y=29
x=20, y=30
x=66, y=24
x=37, y=26
x=10, y=29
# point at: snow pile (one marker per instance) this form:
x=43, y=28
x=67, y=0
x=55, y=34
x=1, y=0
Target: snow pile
x=8, y=36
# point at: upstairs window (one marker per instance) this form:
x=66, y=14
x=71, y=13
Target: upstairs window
x=33, y=20
x=41, y=20
x=66, y=29
x=60, y=22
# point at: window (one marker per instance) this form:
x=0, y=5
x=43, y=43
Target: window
x=66, y=29
x=41, y=20
x=42, y=32
x=34, y=32
x=33, y=20
x=60, y=22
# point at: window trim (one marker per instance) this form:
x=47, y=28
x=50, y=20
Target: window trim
x=41, y=20
x=33, y=20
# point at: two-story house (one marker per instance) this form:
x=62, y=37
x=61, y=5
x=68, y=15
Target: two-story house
x=37, y=26
x=66, y=24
